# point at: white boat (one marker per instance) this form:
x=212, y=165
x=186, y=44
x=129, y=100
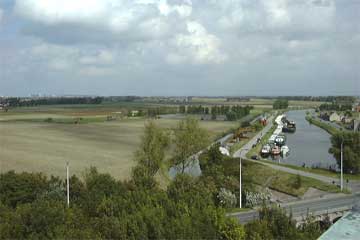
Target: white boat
x=266, y=150
x=280, y=141
x=272, y=138
x=285, y=150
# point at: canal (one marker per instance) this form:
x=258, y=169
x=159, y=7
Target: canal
x=309, y=145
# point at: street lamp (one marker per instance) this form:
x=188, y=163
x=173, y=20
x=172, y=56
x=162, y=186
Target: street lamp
x=240, y=176
x=67, y=185
x=341, y=165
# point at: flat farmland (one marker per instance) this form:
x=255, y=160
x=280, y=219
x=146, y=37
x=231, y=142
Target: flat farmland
x=40, y=146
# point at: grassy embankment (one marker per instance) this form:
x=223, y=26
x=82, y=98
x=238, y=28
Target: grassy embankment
x=319, y=171
x=331, y=130
x=262, y=175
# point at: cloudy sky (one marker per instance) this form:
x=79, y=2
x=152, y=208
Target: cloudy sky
x=180, y=47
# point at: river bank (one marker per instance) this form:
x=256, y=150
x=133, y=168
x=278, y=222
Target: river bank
x=331, y=130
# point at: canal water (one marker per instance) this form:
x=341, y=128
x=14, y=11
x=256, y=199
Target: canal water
x=192, y=169
x=309, y=145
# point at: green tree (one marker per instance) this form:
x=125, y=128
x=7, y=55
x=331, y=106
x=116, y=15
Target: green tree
x=189, y=140
x=21, y=188
x=280, y=104
x=151, y=152
x=213, y=115
x=351, y=150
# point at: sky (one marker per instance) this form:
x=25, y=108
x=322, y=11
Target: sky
x=180, y=47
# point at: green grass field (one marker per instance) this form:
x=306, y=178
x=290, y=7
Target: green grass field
x=319, y=171
x=28, y=143
x=281, y=181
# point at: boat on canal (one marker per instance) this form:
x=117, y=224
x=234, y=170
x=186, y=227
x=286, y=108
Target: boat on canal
x=285, y=151
x=290, y=127
x=275, y=150
x=280, y=140
x=265, y=151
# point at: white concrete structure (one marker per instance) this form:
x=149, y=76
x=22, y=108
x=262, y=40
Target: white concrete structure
x=224, y=151
x=334, y=117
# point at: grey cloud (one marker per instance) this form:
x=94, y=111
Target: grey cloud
x=248, y=47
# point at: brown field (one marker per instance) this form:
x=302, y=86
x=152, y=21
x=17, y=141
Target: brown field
x=41, y=146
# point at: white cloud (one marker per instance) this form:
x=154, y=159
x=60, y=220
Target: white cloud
x=184, y=10
x=65, y=58
x=275, y=15
x=278, y=13
x=103, y=57
x=136, y=19
x=197, y=46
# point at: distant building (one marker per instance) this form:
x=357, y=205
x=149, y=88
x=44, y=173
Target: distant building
x=356, y=107
x=334, y=117
x=134, y=113
x=346, y=119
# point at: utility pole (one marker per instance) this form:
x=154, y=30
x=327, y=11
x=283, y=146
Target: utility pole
x=240, y=197
x=240, y=182
x=341, y=166
x=67, y=185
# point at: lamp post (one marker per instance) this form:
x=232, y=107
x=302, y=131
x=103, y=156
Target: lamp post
x=240, y=176
x=341, y=166
x=67, y=185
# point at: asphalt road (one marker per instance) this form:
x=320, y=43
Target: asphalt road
x=302, y=208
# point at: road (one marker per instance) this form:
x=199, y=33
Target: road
x=224, y=139
x=302, y=208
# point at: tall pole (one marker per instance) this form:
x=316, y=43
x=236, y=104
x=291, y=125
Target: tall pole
x=240, y=176
x=341, y=166
x=67, y=185
x=240, y=182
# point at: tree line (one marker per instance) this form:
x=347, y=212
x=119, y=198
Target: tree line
x=335, y=107
x=27, y=102
x=232, y=113
x=348, y=99
x=280, y=104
